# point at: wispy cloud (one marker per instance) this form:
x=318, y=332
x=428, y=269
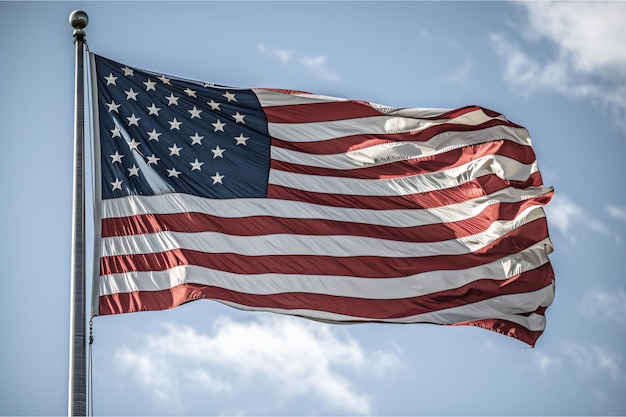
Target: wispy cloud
x=316, y=66
x=606, y=305
x=566, y=216
x=283, y=55
x=589, y=34
x=589, y=61
x=273, y=352
x=147, y=368
x=617, y=212
x=594, y=360
x=546, y=362
x=462, y=72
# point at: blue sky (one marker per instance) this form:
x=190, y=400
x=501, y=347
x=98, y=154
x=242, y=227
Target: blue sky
x=558, y=69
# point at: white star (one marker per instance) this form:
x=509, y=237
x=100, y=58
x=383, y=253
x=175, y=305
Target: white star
x=196, y=165
x=173, y=173
x=154, y=135
x=217, y=178
x=208, y=85
x=133, y=171
x=116, y=157
x=113, y=106
x=190, y=92
x=116, y=133
x=111, y=79
x=175, y=124
x=128, y=71
x=214, y=105
x=175, y=150
x=229, y=96
x=150, y=85
x=241, y=139
x=131, y=95
x=164, y=79
x=218, y=126
x=133, y=144
x=117, y=185
x=153, y=110
x=132, y=120
x=196, y=139
x=172, y=99
x=153, y=160
x=218, y=152
x=195, y=112
x=239, y=118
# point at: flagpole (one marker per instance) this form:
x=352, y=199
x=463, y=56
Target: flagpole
x=77, y=404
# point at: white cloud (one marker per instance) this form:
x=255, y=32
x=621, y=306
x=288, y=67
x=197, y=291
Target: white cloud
x=595, y=360
x=606, y=305
x=546, y=362
x=522, y=70
x=571, y=219
x=602, y=400
x=590, y=58
x=617, y=212
x=317, y=66
x=563, y=213
x=283, y=55
x=381, y=362
x=589, y=34
x=148, y=370
x=201, y=378
x=272, y=352
x=462, y=72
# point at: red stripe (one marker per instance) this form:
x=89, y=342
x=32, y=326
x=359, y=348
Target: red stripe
x=454, y=113
x=320, y=112
x=356, y=142
x=375, y=309
x=506, y=328
x=161, y=300
x=347, y=109
x=264, y=225
x=359, y=266
x=419, y=165
x=369, y=309
x=478, y=187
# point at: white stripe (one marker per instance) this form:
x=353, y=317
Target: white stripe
x=319, y=131
x=501, y=307
x=379, y=125
x=243, y=207
x=502, y=166
x=292, y=244
x=268, y=98
x=342, y=286
x=431, y=113
x=399, y=151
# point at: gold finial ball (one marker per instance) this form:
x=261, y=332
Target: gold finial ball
x=79, y=19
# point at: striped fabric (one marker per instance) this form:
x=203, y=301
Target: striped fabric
x=363, y=213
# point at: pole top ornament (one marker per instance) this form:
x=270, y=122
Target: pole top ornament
x=79, y=20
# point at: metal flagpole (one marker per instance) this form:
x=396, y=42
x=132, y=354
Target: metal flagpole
x=77, y=405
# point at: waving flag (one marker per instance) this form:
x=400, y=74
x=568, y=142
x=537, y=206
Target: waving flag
x=331, y=209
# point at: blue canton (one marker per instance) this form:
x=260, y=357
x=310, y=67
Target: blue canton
x=161, y=134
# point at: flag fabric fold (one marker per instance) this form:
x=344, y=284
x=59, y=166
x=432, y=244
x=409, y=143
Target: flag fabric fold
x=337, y=210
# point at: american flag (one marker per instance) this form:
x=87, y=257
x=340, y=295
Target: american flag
x=326, y=208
